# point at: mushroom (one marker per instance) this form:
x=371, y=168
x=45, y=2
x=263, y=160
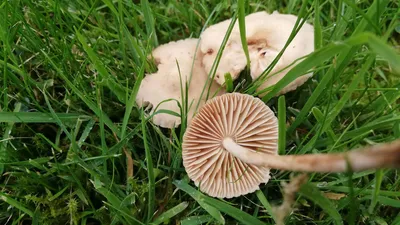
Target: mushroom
x=182, y=50
x=174, y=61
x=233, y=59
x=214, y=169
x=266, y=36
x=232, y=143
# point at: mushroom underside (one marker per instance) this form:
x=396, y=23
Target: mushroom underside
x=214, y=169
x=232, y=143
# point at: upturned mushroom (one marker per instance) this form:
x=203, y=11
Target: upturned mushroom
x=213, y=168
x=232, y=143
x=174, y=61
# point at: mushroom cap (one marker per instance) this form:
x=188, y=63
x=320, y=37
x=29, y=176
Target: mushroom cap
x=212, y=37
x=268, y=37
x=181, y=51
x=247, y=120
x=233, y=59
x=166, y=82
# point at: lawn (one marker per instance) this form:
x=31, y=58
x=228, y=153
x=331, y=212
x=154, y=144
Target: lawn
x=76, y=149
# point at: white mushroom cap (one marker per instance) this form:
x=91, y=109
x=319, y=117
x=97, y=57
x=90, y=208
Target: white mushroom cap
x=233, y=59
x=266, y=38
x=245, y=119
x=166, y=83
x=181, y=51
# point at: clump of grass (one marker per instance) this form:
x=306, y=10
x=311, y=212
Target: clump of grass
x=69, y=126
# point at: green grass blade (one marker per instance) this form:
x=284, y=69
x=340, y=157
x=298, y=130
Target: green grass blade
x=214, y=67
x=317, y=26
x=342, y=61
x=238, y=214
x=261, y=197
x=378, y=181
x=149, y=21
x=386, y=51
x=396, y=221
x=113, y=201
x=374, y=11
x=282, y=125
x=6, y=136
x=389, y=96
x=86, y=132
x=111, y=6
x=342, y=22
x=150, y=171
x=61, y=124
x=352, y=198
x=104, y=147
x=131, y=101
x=367, y=19
x=228, y=83
x=12, y=202
x=123, y=36
x=321, y=118
x=362, y=191
x=166, y=216
x=38, y=117
x=341, y=103
x=389, y=201
x=58, y=194
x=198, y=196
x=196, y=220
x=311, y=192
x=110, y=82
x=242, y=28
x=82, y=96
x=372, y=126
x=304, y=66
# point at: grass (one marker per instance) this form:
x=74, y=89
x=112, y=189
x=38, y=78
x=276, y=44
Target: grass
x=75, y=149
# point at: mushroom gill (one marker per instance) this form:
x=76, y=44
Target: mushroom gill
x=215, y=170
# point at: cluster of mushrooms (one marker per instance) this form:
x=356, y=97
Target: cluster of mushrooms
x=230, y=143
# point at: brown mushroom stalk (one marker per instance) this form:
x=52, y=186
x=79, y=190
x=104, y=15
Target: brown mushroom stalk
x=374, y=157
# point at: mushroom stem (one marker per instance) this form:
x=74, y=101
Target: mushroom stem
x=373, y=157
